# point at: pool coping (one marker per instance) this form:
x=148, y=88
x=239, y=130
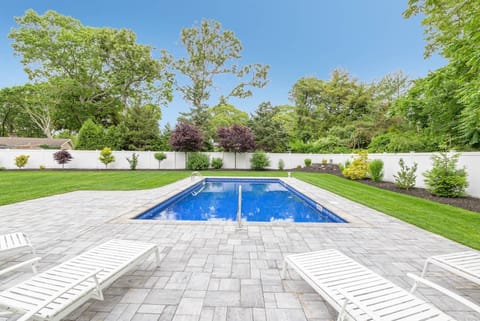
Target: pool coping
x=313, y=192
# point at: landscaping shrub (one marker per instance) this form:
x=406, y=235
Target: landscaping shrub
x=198, y=161
x=341, y=166
x=358, y=169
x=375, y=169
x=21, y=160
x=444, y=179
x=106, y=156
x=217, y=163
x=307, y=162
x=62, y=157
x=160, y=157
x=90, y=136
x=42, y=167
x=281, y=164
x=259, y=161
x=405, y=177
x=133, y=161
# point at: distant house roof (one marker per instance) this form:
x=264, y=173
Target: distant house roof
x=35, y=143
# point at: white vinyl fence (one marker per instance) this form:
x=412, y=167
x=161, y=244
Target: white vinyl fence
x=176, y=160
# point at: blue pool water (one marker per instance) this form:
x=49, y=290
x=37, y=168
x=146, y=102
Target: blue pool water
x=264, y=200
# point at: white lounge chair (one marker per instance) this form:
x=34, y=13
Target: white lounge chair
x=358, y=293
x=465, y=264
x=55, y=293
x=14, y=243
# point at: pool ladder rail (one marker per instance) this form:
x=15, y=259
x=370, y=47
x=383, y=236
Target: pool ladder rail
x=239, y=211
x=200, y=190
x=195, y=174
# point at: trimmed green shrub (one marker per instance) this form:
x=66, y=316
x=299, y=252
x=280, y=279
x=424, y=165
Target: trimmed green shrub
x=90, y=136
x=405, y=177
x=217, y=163
x=198, y=161
x=21, y=160
x=444, y=179
x=358, y=169
x=106, y=156
x=259, y=161
x=133, y=161
x=160, y=157
x=375, y=169
x=307, y=162
x=281, y=164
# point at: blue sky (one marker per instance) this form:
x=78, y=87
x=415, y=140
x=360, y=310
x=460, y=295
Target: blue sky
x=296, y=38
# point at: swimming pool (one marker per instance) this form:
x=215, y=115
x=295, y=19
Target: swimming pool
x=263, y=200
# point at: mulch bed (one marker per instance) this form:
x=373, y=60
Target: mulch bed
x=468, y=203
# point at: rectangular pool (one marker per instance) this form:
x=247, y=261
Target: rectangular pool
x=263, y=200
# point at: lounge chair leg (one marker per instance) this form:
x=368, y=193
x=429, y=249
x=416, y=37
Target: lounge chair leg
x=157, y=256
x=425, y=267
x=34, y=267
x=284, y=269
x=424, y=271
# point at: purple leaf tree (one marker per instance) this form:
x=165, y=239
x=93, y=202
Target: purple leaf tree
x=186, y=138
x=237, y=139
x=62, y=157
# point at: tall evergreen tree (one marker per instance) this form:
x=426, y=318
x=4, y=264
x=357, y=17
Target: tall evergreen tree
x=268, y=131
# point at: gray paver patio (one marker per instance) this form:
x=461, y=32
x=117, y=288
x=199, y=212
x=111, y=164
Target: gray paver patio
x=215, y=272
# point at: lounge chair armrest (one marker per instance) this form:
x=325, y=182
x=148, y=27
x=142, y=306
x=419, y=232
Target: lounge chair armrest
x=441, y=289
x=361, y=306
x=31, y=262
x=93, y=275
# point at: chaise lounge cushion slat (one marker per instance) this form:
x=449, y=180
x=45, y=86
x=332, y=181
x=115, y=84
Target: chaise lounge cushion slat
x=108, y=262
x=370, y=297
x=465, y=264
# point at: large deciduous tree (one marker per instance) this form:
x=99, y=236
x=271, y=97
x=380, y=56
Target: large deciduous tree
x=14, y=120
x=225, y=115
x=452, y=29
x=213, y=52
x=103, y=71
x=237, y=139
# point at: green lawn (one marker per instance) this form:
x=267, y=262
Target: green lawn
x=451, y=222
x=454, y=223
x=17, y=186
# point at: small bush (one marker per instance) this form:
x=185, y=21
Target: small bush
x=42, y=167
x=198, y=161
x=106, y=156
x=21, y=160
x=281, y=164
x=62, y=157
x=133, y=161
x=3, y=168
x=444, y=179
x=217, y=163
x=160, y=157
x=324, y=161
x=375, y=169
x=259, y=161
x=358, y=169
x=405, y=177
x=307, y=162
x=299, y=166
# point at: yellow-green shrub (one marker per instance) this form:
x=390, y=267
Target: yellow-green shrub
x=21, y=160
x=358, y=168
